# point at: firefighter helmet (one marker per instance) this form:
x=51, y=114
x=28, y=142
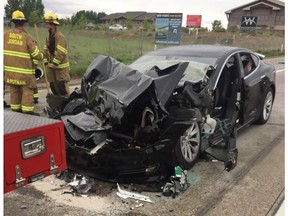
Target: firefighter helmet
x=51, y=18
x=18, y=15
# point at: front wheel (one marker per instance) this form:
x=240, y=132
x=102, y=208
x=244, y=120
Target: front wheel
x=187, y=148
x=266, y=108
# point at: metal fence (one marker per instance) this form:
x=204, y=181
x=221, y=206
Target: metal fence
x=126, y=46
x=253, y=42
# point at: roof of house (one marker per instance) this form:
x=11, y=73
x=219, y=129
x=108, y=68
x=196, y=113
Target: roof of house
x=134, y=15
x=146, y=16
x=272, y=3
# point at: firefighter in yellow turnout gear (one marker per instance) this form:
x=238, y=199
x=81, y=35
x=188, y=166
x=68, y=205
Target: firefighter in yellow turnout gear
x=56, y=57
x=20, y=50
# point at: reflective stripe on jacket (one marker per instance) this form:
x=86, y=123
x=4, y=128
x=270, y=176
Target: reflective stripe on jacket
x=20, y=50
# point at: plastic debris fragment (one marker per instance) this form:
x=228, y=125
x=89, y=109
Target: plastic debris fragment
x=126, y=194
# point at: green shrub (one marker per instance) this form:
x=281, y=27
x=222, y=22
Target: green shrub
x=271, y=53
x=78, y=70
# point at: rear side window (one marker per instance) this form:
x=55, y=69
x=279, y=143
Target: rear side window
x=255, y=59
x=249, y=62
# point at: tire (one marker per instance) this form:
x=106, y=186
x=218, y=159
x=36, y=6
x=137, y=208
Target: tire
x=266, y=108
x=187, y=149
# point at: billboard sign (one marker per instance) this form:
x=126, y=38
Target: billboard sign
x=193, y=21
x=248, y=23
x=168, y=28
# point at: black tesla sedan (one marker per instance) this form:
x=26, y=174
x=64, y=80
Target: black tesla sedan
x=163, y=110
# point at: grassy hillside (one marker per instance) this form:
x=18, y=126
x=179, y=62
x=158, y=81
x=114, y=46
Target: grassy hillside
x=83, y=46
x=126, y=46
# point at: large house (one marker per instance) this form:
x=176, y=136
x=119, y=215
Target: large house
x=270, y=14
x=137, y=17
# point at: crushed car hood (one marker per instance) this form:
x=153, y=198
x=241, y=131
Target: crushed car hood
x=125, y=84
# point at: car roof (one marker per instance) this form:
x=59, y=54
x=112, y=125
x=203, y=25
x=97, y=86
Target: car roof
x=198, y=50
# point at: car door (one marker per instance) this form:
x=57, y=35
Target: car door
x=227, y=95
x=251, y=88
x=227, y=80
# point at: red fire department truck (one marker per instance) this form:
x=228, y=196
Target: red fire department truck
x=34, y=147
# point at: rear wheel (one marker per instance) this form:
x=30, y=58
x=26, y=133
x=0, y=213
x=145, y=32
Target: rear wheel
x=266, y=107
x=188, y=147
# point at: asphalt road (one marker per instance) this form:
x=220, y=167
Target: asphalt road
x=254, y=187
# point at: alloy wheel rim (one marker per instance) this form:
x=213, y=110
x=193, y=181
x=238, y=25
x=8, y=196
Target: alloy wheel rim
x=267, y=105
x=190, y=142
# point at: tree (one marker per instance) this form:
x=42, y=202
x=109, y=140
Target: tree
x=129, y=23
x=26, y=6
x=81, y=22
x=147, y=25
x=112, y=21
x=11, y=6
x=35, y=17
x=100, y=15
x=65, y=21
x=90, y=16
x=217, y=26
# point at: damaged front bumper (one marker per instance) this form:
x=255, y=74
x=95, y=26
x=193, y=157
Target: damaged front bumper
x=123, y=165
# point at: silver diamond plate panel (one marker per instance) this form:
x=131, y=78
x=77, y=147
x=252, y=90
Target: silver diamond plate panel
x=16, y=122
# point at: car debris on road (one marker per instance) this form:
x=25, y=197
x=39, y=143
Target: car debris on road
x=126, y=194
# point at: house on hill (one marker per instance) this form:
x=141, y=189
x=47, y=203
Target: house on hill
x=270, y=14
x=137, y=17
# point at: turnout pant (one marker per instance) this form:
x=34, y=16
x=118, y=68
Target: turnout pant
x=59, y=82
x=21, y=98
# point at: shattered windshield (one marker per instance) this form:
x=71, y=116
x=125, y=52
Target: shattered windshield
x=194, y=72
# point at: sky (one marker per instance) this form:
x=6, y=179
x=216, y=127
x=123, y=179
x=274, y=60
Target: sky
x=209, y=9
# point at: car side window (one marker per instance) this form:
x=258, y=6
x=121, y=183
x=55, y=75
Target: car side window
x=255, y=59
x=249, y=62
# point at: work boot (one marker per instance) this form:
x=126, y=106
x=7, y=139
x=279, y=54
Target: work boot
x=35, y=101
x=19, y=111
x=6, y=105
x=231, y=163
x=35, y=114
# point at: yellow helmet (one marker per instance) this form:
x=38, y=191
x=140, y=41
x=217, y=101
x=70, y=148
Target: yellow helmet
x=51, y=18
x=18, y=15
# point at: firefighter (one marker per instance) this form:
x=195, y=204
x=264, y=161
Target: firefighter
x=56, y=57
x=20, y=49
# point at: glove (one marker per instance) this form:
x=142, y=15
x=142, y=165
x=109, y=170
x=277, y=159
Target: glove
x=52, y=66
